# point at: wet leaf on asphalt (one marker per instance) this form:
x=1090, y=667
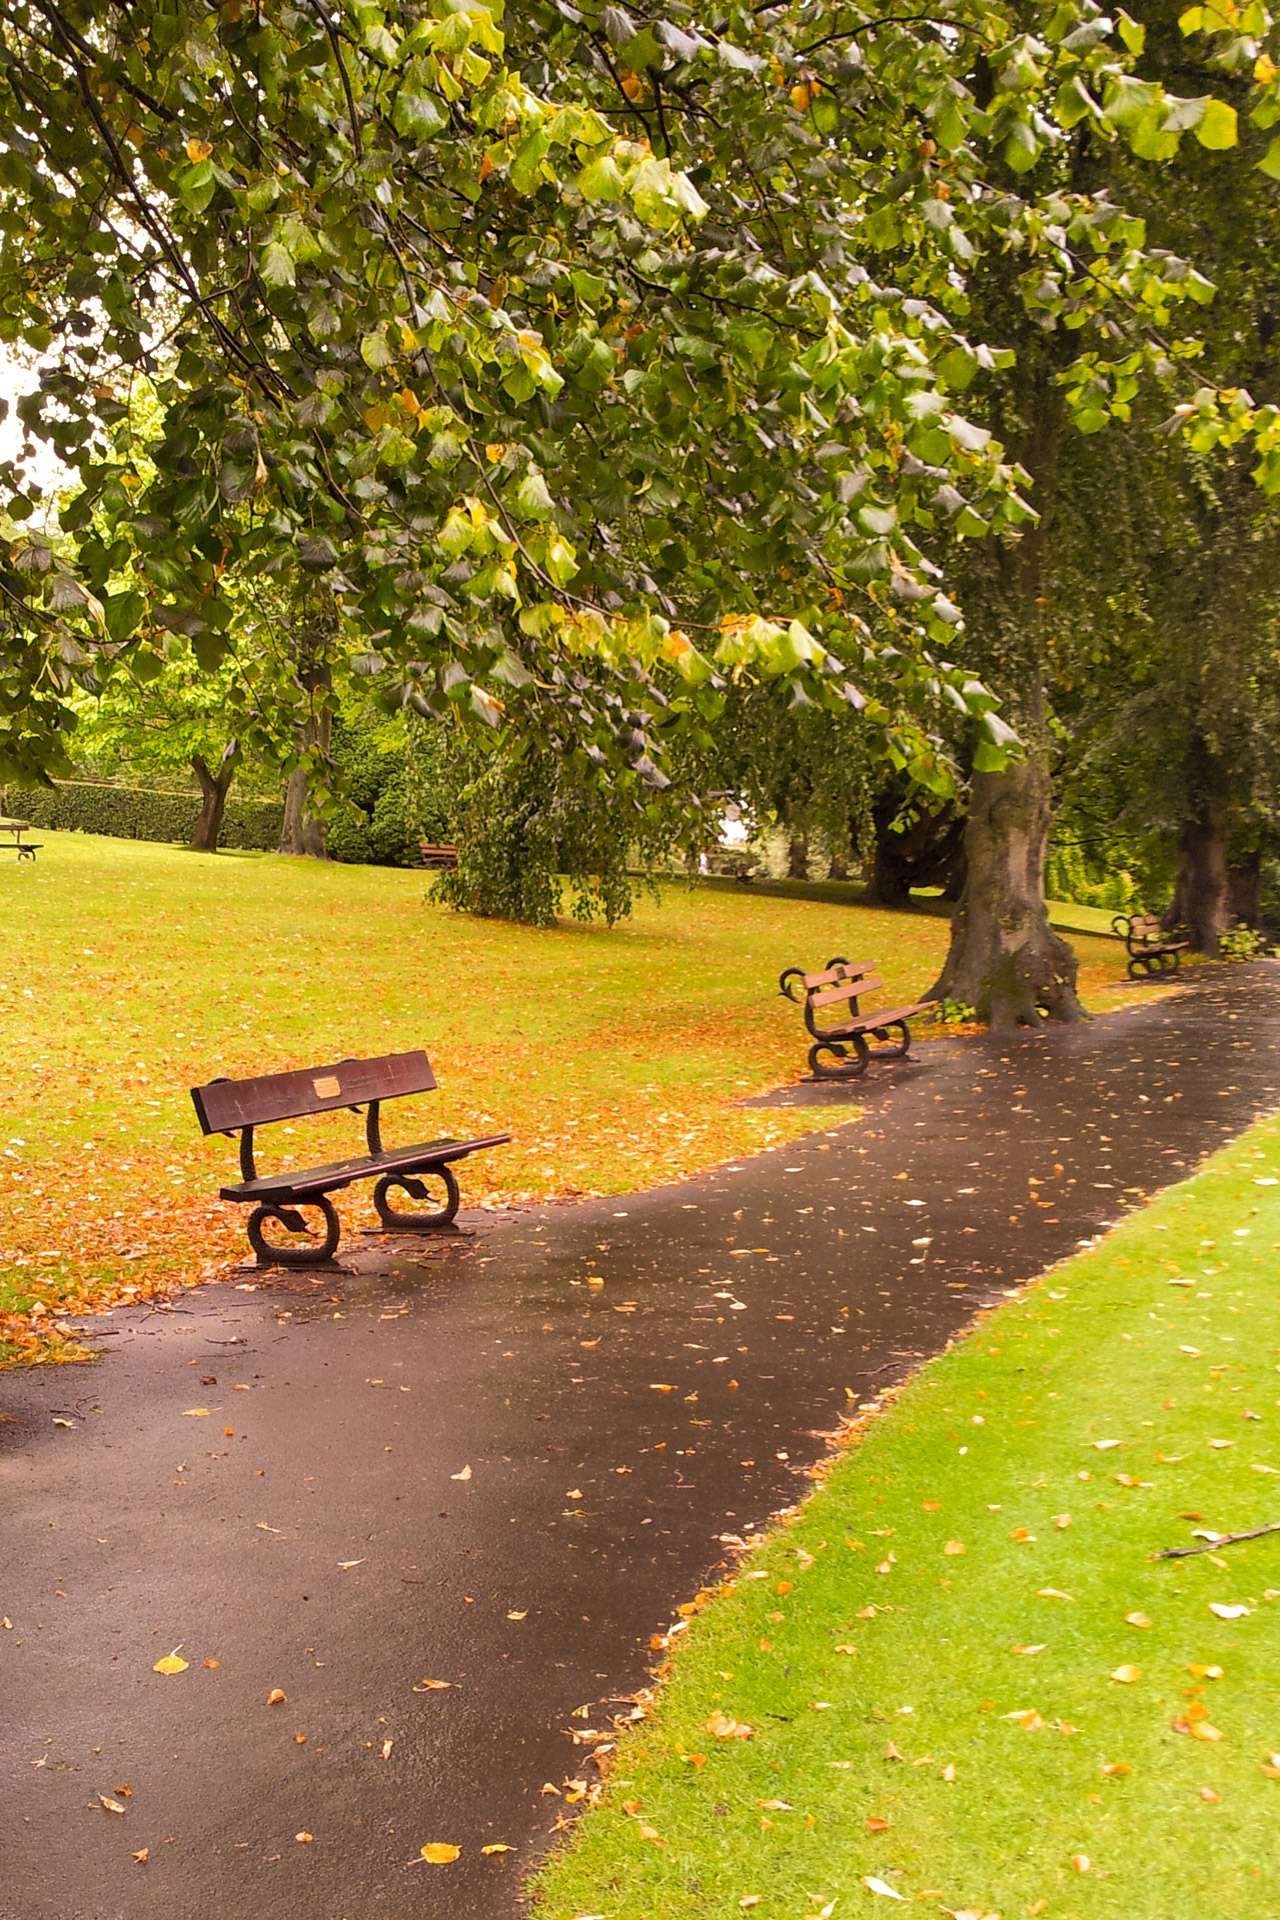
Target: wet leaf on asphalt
x=112, y=1806
x=439, y=1853
x=276, y=1697
x=464, y=1475
x=171, y=1664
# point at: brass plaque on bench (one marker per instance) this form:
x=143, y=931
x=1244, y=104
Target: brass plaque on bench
x=327, y=1087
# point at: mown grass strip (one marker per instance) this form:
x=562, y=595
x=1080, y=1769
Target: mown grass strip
x=965, y=1676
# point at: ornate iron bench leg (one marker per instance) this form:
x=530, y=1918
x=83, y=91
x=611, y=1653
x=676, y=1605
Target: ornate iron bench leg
x=843, y=1068
x=291, y=1218
x=892, y=1049
x=396, y=1222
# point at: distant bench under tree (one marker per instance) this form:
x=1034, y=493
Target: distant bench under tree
x=437, y=859
x=239, y=1106
x=840, y=1049
x=1152, y=950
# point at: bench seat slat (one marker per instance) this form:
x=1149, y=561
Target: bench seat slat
x=878, y=1017
x=298, y=1182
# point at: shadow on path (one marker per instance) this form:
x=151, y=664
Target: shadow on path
x=524, y=1473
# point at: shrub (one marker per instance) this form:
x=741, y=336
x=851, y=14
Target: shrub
x=143, y=813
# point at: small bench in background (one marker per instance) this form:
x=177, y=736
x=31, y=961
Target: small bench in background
x=240, y=1106
x=841, y=1050
x=11, y=835
x=1151, y=950
x=437, y=859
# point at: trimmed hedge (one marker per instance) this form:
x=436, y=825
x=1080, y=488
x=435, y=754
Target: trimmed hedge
x=142, y=813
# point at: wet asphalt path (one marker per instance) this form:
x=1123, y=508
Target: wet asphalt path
x=524, y=1473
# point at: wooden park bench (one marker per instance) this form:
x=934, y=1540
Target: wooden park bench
x=11, y=832
x=841, y=1050
x=1151, y=949
x=231, y=1106
x=437, y=859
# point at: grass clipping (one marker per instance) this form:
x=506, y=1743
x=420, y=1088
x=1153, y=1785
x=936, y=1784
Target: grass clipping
x=958, y=1675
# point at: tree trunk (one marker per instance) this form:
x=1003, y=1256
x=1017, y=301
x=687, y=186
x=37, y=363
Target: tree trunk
x=1202, y=894
x=798, y=857
x=1244, y=886
x=1005, y=959
x=303, y=832
x=927, y=853
x=214, y=788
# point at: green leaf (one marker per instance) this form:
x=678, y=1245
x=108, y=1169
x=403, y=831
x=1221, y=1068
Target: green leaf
x=418, y=115
x=1021, y=149
x=1133, y=35
x=375, y=352
x=197, y=184
x=1218, y=129
x=601, y=180
x=1270, y=161
x=276, y=265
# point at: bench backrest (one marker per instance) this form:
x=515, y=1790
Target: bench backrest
x=850, y=990
x=224, y=1105
x=843, y=970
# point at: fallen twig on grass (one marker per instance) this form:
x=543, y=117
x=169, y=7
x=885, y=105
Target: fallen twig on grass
x=1219, y=1540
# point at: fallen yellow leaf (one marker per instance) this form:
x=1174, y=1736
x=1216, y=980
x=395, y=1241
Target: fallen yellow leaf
x=1201, y=1730
x=112, y=1806
x=464, y=1475
x=1136, y=1620
x=1126, y=1675
x=954, y=1547
x=724, y=1728
x=519, y=1616
x=304, y=1838
x=171, y=1664
x=1116, y=1767
x=432, y=1686
x=497, y=1846
x=142, y=1856
x=1081, y=1862
x=195, y=1413
x=439, y=1853
x=276, y=1697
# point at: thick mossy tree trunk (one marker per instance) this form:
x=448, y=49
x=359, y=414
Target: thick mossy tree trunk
x=303, y=831
x=214, y=788
x=1202, y=892
x=1005, y=959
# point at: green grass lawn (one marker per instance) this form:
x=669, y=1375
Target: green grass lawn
x=964, y=1675
x=130, y=971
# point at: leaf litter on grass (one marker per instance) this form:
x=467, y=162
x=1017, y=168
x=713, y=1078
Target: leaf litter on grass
x=197, y=968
